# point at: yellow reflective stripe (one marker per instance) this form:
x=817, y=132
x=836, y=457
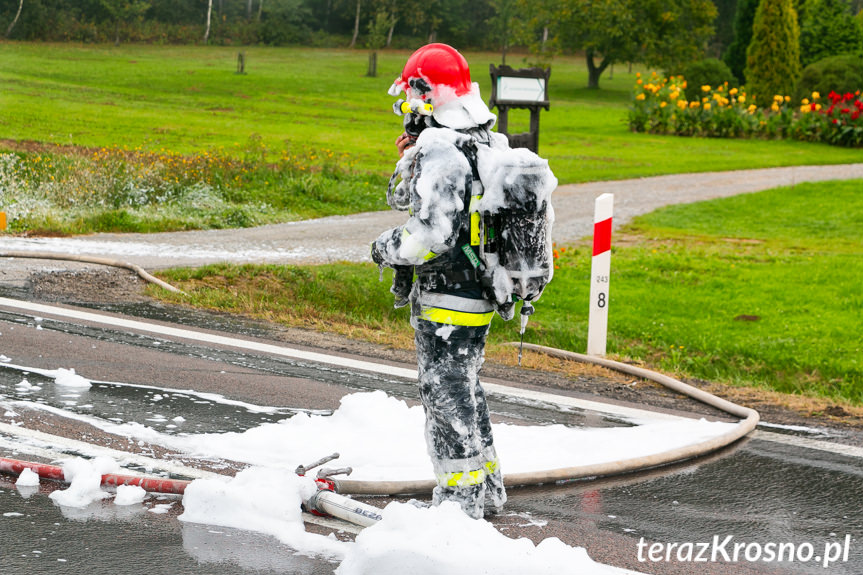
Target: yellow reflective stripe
x=475, y=221
x=452, y=317
x=429, y=255
x=475, y=228
x=491, y=466
x=462, y=478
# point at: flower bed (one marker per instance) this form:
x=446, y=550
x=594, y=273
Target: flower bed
x=660, y=106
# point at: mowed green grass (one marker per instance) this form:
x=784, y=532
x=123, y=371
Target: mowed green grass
x=760, y=290
x=189, y=98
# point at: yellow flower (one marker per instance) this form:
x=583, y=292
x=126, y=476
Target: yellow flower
x=705, y=88
x=707, y=105
x=674, y=95
x=682, y=104
x=752, y=108
x=732, y=91
x=694, y=104
x=816, y=96
x=778, y=98
x=640, y=97
x=816, y=107
x=787, y=99
x=663, y=104
x=806, y=108
x=805, y=101
x=742, y=98
x=775, y=107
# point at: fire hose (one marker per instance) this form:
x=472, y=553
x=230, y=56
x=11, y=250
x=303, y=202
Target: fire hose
x=142, y=273
x=749, y=419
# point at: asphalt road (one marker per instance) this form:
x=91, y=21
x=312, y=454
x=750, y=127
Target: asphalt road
x=761, y=490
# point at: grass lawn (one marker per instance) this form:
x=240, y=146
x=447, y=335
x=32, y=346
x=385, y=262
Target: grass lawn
x=713, y=290
x=189, y=99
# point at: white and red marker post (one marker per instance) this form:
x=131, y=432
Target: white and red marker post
x=600, y=270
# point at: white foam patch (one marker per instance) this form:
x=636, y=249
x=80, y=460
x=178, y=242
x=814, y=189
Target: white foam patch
x=86, y=478
x=258, y=499
x=444, y=540
x=28, y=478
x=129, y=495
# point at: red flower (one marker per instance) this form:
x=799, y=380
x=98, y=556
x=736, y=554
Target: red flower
x=845, y=111
x=855, y=115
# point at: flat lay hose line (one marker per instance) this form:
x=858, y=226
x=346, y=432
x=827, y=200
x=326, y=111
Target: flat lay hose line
x=749, y=419
x=142, y=273
x=55, y=472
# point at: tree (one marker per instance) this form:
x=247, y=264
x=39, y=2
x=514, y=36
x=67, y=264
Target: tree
x=209, y=17
x=285, y=22
x=773, y=56
x=725, y=13
x=828, y=29
x=661, y=33
x=124, y=11
x=501, y=24
x=538, y=25
x=356, y=25
x=377, y=38
x=735, y=56
x=15, y=20
x=674, y=33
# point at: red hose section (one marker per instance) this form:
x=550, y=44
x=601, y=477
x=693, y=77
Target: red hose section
x=150, y=484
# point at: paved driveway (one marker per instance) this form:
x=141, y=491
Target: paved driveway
x=346, y=238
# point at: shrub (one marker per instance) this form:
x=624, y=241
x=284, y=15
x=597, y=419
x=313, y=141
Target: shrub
x=842, y=74
x=707, y=72
x=828, y=29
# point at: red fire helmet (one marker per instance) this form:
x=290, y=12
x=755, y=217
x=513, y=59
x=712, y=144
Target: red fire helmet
x=439, y=66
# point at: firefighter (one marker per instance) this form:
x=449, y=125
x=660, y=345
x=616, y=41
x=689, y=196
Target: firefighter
x=450, y=312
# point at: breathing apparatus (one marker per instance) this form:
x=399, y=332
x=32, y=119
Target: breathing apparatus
x=415, y=112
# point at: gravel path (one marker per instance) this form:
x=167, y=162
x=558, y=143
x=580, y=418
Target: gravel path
x=346, y=238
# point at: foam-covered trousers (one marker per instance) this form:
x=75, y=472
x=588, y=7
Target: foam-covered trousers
x=458, y=428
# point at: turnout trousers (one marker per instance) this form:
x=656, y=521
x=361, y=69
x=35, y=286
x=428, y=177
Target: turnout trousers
x=458, y=428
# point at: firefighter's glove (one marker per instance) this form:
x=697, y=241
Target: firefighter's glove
x=377, y=257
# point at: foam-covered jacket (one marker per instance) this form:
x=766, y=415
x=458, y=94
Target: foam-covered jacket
x=436, y=183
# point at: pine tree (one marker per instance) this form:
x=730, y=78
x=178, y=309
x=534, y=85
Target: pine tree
x=828, y=29
x=735, y=55
x=773, y=56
